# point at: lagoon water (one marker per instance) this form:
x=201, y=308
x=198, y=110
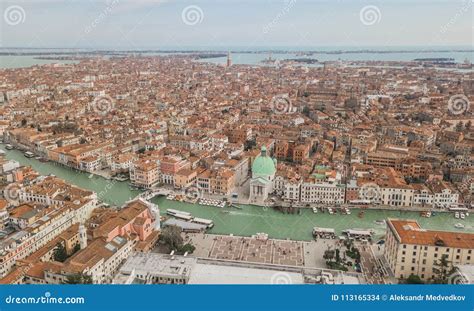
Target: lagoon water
x=10, y=62
x=256, y=55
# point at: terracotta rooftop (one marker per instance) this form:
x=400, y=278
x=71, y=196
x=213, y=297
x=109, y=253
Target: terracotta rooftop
x=410, y=232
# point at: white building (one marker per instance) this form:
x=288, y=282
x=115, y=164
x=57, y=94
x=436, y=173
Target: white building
x=152, y=268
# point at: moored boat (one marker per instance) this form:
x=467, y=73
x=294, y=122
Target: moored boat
x=29, y=154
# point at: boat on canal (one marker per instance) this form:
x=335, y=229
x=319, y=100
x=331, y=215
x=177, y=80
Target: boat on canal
x=244, y=218
x=29, y=154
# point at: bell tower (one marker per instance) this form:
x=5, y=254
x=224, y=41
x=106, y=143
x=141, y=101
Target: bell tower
x=82, y=236
x=229, y=59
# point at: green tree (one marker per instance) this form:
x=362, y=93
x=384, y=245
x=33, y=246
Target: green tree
x=338, y=256
x=171, y=236
x=60, y=253
x=189, y=248
x=74, y=279
x=328, y=254
x=414, y=279
x=76, y=248
x=306, y=111
x=249, y=144
x=79, y=278
x=442, y=269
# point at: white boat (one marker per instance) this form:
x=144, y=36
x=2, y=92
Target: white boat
x=459, y=226
x=456, y=215
x=315, y=210
x=174, y=212
x=8, y=147
x=260, y=236
x=183, y=216
x=29, y=154
x=209, y=223
x=462, y=216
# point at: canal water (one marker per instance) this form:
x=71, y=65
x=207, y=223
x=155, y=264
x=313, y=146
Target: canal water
x=249, y=219
x=109, y=191
x=252, y=219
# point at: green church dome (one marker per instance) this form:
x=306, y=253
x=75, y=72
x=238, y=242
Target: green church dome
x=263, y=165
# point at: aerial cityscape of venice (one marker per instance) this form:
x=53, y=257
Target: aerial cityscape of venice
x=240, y=142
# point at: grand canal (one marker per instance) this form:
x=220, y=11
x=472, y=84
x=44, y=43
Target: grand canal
x=249, y=219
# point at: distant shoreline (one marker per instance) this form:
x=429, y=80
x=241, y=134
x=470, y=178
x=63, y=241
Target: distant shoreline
x=276, y=51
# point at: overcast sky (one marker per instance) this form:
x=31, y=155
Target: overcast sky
x=235, y=23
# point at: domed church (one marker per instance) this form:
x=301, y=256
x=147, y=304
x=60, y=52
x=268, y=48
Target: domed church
x=263, y=174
